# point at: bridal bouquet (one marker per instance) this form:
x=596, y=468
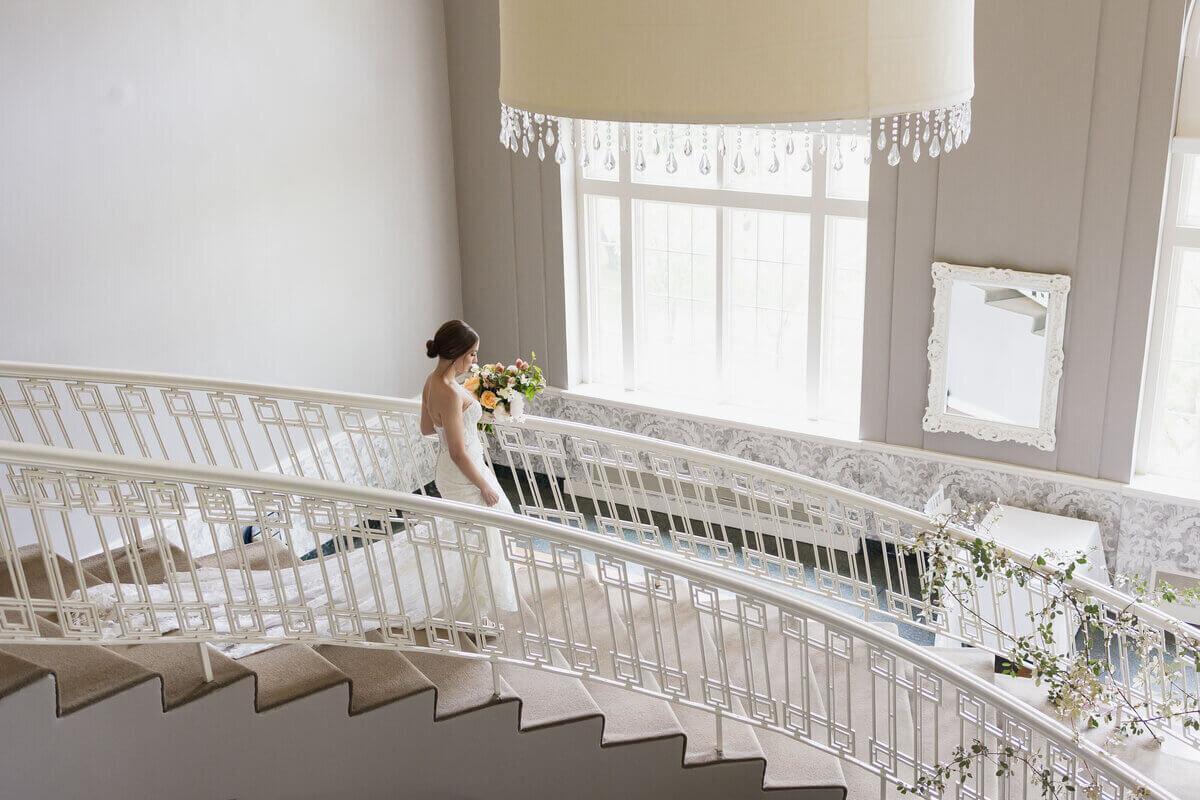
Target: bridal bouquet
x=502, y=391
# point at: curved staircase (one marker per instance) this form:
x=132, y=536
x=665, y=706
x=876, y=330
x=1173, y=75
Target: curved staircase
x=680, y=608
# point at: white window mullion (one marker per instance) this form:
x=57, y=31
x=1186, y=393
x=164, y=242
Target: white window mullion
x=816, y=286
x=630, y=297
x=724, y=362
x=1163, y=316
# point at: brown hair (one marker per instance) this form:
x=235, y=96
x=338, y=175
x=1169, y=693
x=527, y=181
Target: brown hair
x=452, y=340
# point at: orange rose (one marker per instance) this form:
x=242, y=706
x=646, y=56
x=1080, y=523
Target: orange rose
x=472, y=384
x=488, y=400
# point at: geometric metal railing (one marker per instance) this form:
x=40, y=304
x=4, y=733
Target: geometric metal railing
x=409, y=572
x=743, y=517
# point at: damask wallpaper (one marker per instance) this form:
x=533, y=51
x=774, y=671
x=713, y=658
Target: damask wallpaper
x=1139, y=529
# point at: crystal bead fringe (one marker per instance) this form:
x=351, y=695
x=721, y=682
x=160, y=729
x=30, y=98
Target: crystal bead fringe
x=933, y=132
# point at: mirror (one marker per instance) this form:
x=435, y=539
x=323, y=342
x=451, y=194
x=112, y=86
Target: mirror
x=995, y=353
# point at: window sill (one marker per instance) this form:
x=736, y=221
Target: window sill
x=1166, y=488
x=719, y=413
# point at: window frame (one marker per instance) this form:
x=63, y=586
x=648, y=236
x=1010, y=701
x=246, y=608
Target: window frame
x=818, y=206
x=1165, y=303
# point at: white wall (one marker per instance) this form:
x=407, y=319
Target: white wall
x=257, y=190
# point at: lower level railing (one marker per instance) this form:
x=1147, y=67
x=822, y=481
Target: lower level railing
x=432, y=575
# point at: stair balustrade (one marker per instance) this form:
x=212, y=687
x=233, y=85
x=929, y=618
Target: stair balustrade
x=691, y=632
x=744, y=519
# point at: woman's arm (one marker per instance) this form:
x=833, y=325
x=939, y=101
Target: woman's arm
x=451, y=410
x=427, y=428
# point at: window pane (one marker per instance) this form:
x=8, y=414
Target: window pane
x=1189, y=193
x=853, y=180
x=604, y=275
x=756, y=149
x=845, y=282
x=768, y=326
x=683, y=138
x=674, y=247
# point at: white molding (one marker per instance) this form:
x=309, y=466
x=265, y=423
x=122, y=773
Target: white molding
x=936, y=419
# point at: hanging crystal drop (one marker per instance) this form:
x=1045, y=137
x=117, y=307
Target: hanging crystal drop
x=704, y=166
x=822, y=142
x=916, y=151
x=739, y=163
x=773, y=167
x=584, y=159
x=935, y=147
x=808, y=158
x=549, y=135
x=639, y=162
x=882, y=141
x=721, y=144
x=623, y=139
x=907, y=133
x=541, y=150
x=503, y=134
x=513, y=145
x=867, y=156
x=610, y=160
x=595, y=139
x=853, y=143
x=790, y=147
x=687, y=144
x=894, y=154
x=560, y=154
x=671, y=164
x=525, y=146
x=838, y=162
x=655, y=147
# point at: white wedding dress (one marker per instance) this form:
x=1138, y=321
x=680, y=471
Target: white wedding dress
x=315, y=591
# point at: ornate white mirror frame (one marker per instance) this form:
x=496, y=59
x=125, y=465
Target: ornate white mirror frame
x=937, y=417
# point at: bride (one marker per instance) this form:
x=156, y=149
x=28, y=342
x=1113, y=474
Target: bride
x=462, y=474
x=474, y=590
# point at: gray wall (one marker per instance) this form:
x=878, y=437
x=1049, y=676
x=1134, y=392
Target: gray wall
x=509, y=208
x=248, y=190
x=1063, y=173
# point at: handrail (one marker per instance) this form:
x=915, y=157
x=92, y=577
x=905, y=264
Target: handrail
x=902, y=513
x=133, y=467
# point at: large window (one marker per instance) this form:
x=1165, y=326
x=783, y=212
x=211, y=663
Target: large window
x=726, y=290
x=1169, y=443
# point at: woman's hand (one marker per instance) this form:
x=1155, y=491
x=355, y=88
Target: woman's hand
x=490, y=496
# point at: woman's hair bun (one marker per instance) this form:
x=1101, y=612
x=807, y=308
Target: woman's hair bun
x=452, y=340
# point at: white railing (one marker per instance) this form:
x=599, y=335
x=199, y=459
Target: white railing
x=416, y=571
x=747, y=518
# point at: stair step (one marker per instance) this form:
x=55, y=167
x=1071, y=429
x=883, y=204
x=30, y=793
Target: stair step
x=289, y=672
x=462, y=684
x=738, y=742
x=377, y=677
x=547, y=698
x=629, y=716
x=38, y=579
x=866, y=716
x=155, y=563
x=181, y=670
x=17, y=673
x=83, y=673
x=790, y=764
x=257, y=555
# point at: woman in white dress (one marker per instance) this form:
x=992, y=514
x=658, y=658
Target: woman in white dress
x=476, y=587
x=462, y=474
